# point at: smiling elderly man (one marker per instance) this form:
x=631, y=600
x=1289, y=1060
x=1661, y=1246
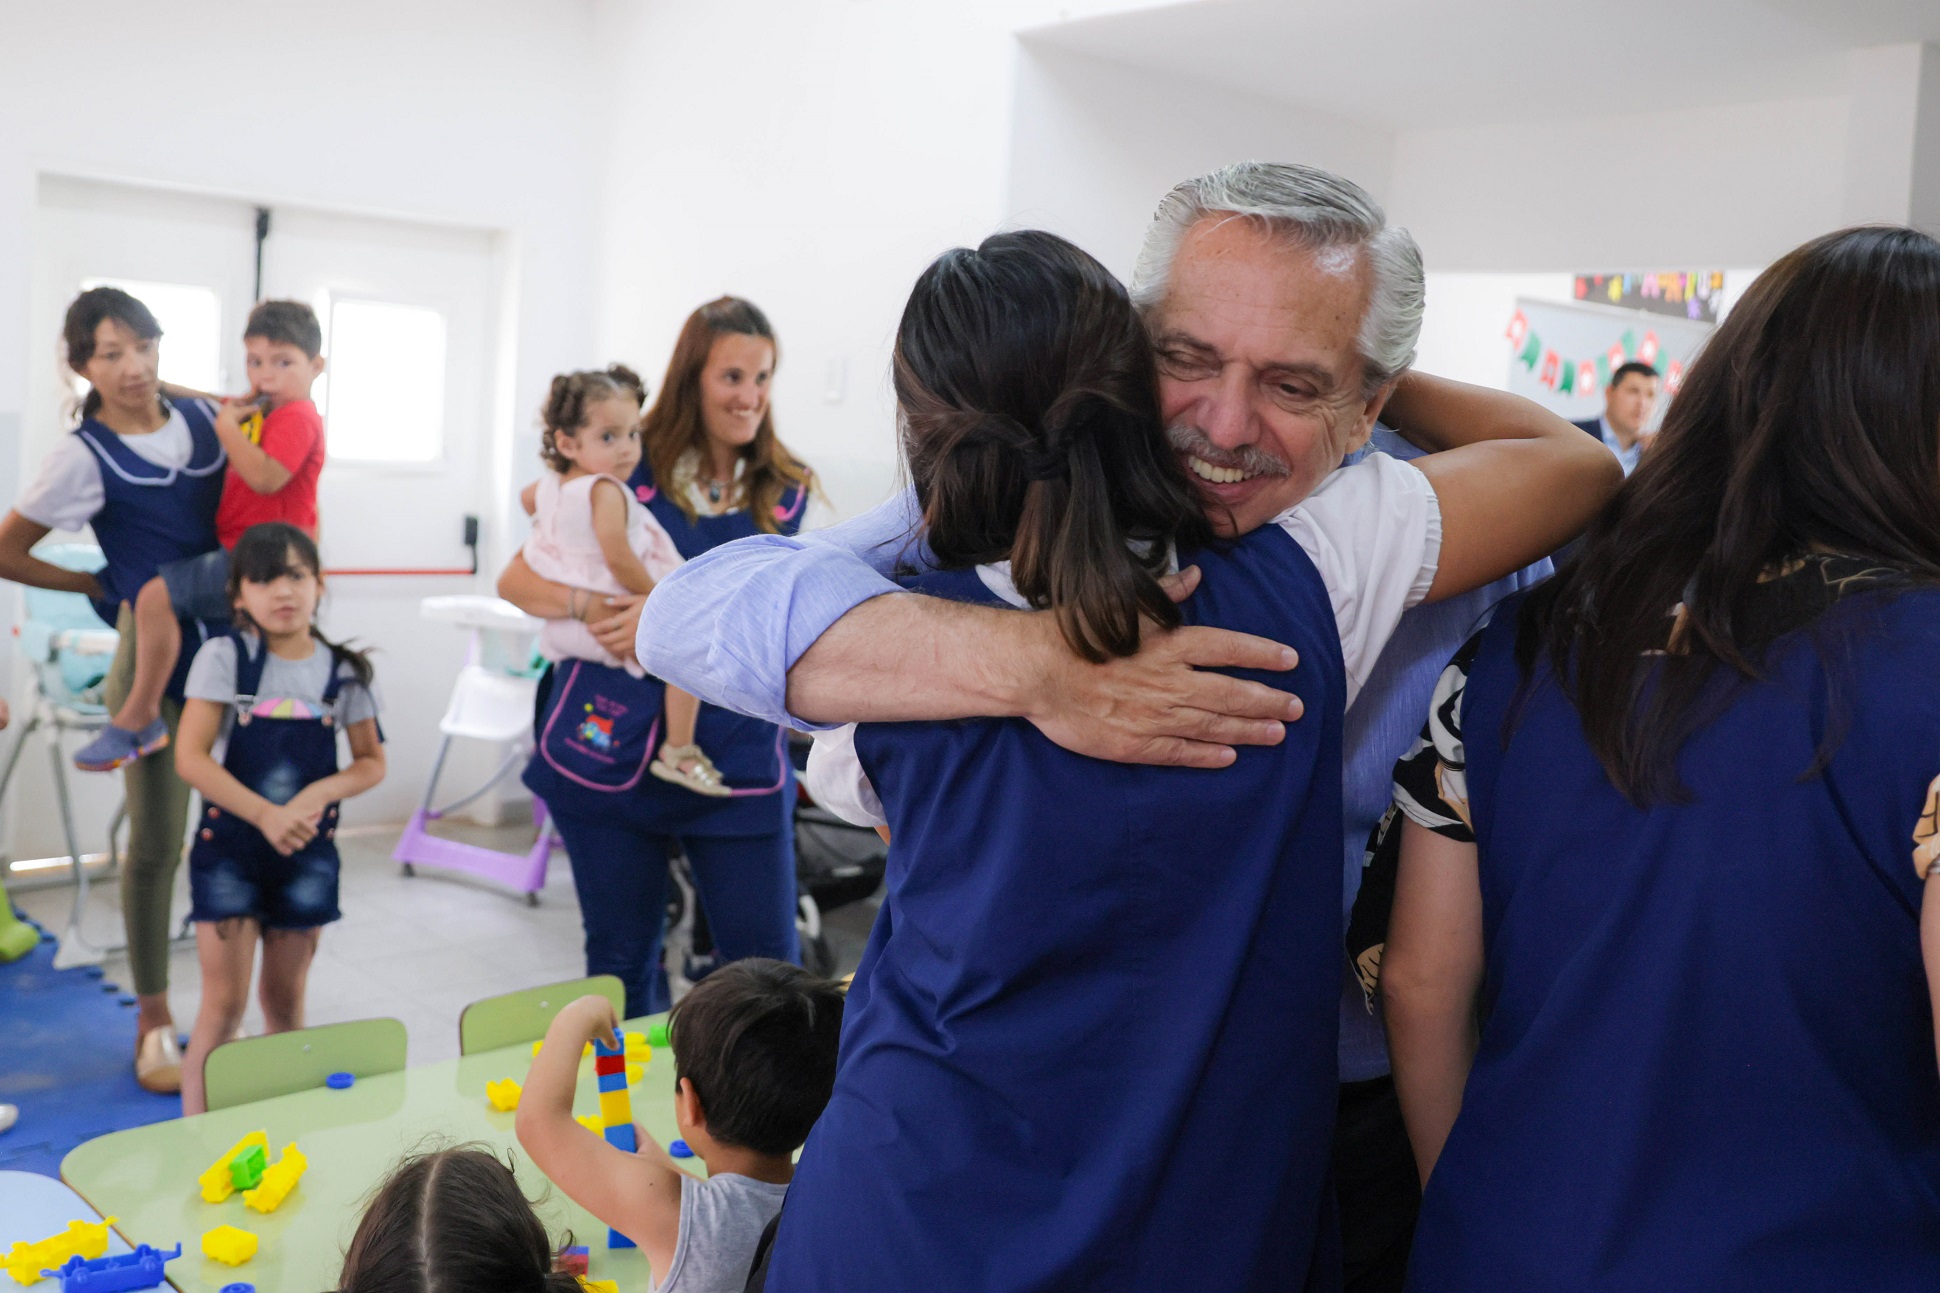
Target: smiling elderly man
x=1283, y=311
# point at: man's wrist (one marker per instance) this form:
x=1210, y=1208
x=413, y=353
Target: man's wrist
x=1021, y=677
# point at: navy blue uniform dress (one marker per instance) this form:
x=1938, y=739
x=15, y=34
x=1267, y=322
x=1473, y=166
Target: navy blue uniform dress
x=597, y=730
x=1091, y=1044
x=152, y=515
x=1707, y=1061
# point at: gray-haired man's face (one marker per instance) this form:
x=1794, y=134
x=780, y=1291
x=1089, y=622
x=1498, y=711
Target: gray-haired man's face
x=1259, y=372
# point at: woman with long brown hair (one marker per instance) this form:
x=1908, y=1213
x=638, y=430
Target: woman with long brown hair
x=712, y=470
x=1659, y=975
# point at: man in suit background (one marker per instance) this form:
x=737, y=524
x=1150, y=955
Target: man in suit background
x=1627, y=408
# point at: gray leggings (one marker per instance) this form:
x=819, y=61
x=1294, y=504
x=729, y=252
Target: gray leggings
x=158, y=814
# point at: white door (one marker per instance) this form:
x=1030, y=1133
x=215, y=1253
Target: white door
x=409, y=313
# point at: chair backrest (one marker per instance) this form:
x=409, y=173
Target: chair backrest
x=524, y=1016
x=257, y=1068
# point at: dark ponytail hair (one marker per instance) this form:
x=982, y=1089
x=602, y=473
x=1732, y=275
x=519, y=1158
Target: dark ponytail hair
x=452, y=1221
x=568, y=397
x=85, y=315
x=1810, y=422
x=1030, y=421
x=267, y=552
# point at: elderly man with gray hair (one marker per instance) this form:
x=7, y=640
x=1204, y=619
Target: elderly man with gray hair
x=1283, y=312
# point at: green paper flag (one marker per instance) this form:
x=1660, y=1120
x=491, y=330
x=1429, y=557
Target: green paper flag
x=1568, y=384
x=1629, y=343
x=1603, y=370
x=1532, y=350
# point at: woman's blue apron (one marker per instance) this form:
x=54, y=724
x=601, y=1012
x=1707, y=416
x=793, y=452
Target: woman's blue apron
x=1707, y=1060
x=598, y=727
x=1091, y=1043
x=275, y=750
x=152, y=515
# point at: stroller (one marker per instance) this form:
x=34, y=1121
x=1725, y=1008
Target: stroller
x=836, y=865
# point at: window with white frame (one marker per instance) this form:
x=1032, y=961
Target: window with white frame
x=382, y=394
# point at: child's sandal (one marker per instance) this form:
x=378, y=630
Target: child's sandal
x=703, y=778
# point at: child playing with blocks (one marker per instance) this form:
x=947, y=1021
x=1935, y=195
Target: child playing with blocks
x=754, y=1060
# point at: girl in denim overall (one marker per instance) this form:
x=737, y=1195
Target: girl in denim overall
x=264, y=862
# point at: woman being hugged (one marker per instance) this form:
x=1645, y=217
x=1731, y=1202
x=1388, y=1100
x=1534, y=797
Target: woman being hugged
x=712, y=470
x=263, y=867
x=1671, y=838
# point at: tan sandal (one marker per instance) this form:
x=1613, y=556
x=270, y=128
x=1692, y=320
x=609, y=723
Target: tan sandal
x=158, y=1061
x=703, y=778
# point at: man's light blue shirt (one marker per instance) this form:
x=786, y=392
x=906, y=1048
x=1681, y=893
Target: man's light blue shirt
x=1628, y=457
x=728, y=625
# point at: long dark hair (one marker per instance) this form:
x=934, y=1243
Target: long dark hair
x=674, y=424
x=451, y=1221
x=566, y=401
x=267, y=552
x=1030, y=421
x=1811, y=422
x=85, y=315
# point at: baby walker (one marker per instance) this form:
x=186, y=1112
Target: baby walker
x=491, y=701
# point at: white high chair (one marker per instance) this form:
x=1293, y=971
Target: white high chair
x=491, y=701
x=70, y=650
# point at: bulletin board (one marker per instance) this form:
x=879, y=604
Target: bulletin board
x=1561, y=354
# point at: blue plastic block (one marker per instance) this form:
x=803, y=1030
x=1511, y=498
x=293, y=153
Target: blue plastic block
x=141, y=1269
x=336, y=1082
x=611, y=1081
x=614, y=1239
x=622, y=1138
x=679, y=1149
x=601, y=1048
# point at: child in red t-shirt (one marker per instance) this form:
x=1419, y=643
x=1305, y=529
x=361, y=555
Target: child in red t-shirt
x=272, y=476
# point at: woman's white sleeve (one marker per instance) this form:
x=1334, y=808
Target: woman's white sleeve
x=837, y=782
x=67, y=492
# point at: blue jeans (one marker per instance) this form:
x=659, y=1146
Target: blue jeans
x=746, y=883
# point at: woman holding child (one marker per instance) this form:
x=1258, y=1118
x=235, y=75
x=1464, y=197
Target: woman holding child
x=710, y=470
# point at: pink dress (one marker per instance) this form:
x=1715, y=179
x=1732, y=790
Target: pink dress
x=563, y=548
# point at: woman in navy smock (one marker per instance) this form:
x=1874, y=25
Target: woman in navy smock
x=712, y=470
x=144, y=473
x=1080, y=1050
x=1679, y=867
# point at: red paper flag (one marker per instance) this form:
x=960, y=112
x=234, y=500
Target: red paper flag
x=1616, y=356
x=1518, y=329
x=1551, y=366
x=1585, y=377
x=1673, y=377
x=1647, y=351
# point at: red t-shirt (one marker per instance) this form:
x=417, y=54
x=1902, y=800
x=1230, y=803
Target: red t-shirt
x=293, y=435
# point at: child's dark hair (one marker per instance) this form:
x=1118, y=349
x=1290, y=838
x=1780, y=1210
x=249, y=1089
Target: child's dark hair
x=1030, y=421
x=267, y=552
x=85, y=315
x=758, y=1038
x=451, y=1221
x=571, y=393
x=290, y=322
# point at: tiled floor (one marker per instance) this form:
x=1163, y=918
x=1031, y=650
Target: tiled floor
x=418, y=949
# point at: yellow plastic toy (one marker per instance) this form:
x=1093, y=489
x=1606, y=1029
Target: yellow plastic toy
x=599, y=1286
x=216, y=1185
x=278, y=1180
x=228, y=1245
x=503, y=1095
x=591, y=1122
x=25, y=1261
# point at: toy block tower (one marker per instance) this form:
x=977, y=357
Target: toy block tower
x=616, y=1110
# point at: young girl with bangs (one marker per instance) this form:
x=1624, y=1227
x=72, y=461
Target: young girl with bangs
x=274, y=692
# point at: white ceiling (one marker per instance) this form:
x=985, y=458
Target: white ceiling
x=1422, y=63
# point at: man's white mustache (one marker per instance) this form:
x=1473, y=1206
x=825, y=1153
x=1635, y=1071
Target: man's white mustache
x=1250, y=459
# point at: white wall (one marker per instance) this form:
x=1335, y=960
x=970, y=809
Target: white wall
x=478, y=113
x=1095, y=145
x=812, y=156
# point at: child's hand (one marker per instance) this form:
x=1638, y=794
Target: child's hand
x=234, y=412
x=288, y=827
x=589, y=1017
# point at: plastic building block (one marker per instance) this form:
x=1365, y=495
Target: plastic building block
x=504, y=1096
x=25, y=1261
x=216, y=1185
x=246, y=1168
x=657, y=1033
x=616, y=1112
x=141, y=1269
x=278, y=1181
x=238, y=1288
x=228, y=1245
x=679, y=1149
x=574, y=1261
x=600, y=1286
x=340, y=1081
x=590, y=1121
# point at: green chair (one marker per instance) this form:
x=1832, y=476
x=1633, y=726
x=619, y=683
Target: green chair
x=257, y=1068
x=524, y=1016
